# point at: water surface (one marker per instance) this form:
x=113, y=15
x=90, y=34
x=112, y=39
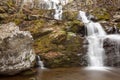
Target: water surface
x=70, y=74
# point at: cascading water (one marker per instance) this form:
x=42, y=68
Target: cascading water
x=95, y=35
x=40, y=63
x=58, y=12
x=56, y=5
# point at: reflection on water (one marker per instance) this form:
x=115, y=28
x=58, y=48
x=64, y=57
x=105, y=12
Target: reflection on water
x=97, y=68
x=70, y=74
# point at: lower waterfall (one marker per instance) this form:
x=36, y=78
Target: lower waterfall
x=95, y=35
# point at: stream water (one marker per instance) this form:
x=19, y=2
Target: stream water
x=70, y=74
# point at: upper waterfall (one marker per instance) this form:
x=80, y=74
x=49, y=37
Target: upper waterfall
x=93, y=28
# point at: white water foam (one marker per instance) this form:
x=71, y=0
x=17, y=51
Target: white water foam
x=40, y=63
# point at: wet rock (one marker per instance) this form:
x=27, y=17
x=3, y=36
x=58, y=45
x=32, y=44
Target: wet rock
x=16, y=52
x=116, y=17
x=112, y=52
x=28, y=72
x=113, y=30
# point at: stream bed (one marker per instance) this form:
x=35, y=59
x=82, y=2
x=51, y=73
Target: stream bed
x=70, y=74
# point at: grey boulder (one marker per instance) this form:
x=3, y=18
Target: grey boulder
x=16, y=53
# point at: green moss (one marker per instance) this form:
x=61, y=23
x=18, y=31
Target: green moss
x=74, y=26
x=101, y=14
x=70, y=35
x=44, y=44
x=47, y=13
x=118, y=25
x=17, y=21
x=9, y=3
x=2, y=10
x=70, y=15
x=3, y=16
x=58, y=37
x=73, y=45
x=36, y=28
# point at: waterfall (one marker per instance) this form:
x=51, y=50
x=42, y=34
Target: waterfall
x=57, y=5
x=54, y=4
x=40, y=63
x=95, y=36
x=58, y=12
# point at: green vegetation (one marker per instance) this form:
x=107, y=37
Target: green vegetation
x=101, y=14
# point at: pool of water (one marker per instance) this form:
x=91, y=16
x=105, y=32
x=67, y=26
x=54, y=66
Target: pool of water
x=70, y=74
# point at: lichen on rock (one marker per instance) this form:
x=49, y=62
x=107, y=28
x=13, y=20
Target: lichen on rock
x=16, y=53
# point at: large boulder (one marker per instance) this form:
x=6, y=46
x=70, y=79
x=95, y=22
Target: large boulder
x=16, y=52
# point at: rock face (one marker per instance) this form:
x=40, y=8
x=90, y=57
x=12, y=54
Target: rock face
x=16, y=52
x=59, y=43
x=112, y=52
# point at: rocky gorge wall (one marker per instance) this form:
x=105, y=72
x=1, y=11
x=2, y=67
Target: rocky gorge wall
x=60, y=43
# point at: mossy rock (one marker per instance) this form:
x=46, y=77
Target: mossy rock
x=3, y=16
x=18, y=18
x=58, y=37
x=2, y=10
x=73, y=44
x=9, y=3
x=62, y=60
x=74, y=26
x=37, y=29
x=70, y=35
x=44, y=44
x=17, y=21
x=47, y=13
x=118, y=25
x=70, y=15
x=68, y=56
x=28, y=72
x=101, y=14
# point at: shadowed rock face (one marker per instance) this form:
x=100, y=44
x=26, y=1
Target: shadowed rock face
x=16, y=52
x=112, y=52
